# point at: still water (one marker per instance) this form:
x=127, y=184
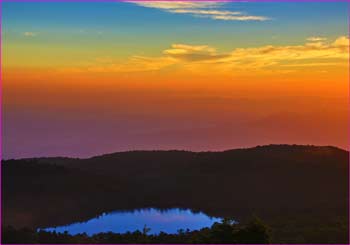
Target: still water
x=169, y=221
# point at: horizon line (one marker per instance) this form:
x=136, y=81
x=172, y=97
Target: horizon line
x=178, y=150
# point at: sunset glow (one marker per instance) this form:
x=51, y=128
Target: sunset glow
x=80, y=80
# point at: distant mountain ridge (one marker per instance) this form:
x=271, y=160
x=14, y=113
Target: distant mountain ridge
x=261, y=147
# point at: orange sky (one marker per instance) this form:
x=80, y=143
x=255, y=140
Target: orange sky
x=71, y=100
x=157, y=111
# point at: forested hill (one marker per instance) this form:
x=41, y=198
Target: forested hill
x=300, y=191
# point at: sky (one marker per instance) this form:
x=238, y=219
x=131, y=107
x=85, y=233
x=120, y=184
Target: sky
x=84, y=79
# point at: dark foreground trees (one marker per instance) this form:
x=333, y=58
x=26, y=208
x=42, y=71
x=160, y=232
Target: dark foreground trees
x=224, y=232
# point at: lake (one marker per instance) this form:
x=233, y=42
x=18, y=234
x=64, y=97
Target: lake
x=169, y=221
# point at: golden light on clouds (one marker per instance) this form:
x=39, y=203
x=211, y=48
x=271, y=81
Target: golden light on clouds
x=202, y=58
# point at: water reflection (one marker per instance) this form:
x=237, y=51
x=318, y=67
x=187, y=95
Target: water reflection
x=169, y=221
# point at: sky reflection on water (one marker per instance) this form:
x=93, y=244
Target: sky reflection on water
x=169, y=221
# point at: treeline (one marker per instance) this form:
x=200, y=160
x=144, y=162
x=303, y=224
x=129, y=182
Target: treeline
x=225, y=232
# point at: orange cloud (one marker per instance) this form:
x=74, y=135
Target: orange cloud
x=203, y=58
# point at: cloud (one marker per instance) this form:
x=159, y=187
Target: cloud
x=341, y=42
x=176, y=4
x=316, y=39
x=297, y=52
x=205, y=58
x=241, y=17
x=210, y=10
x=29, y=34
x=307, y=54
x=191, y=52
x=205, y=12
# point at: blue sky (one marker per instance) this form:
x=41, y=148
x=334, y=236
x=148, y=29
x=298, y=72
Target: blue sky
x=289, y=23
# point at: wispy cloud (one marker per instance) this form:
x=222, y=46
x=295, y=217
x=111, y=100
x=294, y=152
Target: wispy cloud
x=264, y=55
x=193, y=53
x=29, y=34
x=203, y=58
x=205, y=12
x=240, y=17
x=212, y=10
x=177, y=4
x=316, y=39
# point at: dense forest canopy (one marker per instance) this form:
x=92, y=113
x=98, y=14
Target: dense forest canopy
x=301, y=192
